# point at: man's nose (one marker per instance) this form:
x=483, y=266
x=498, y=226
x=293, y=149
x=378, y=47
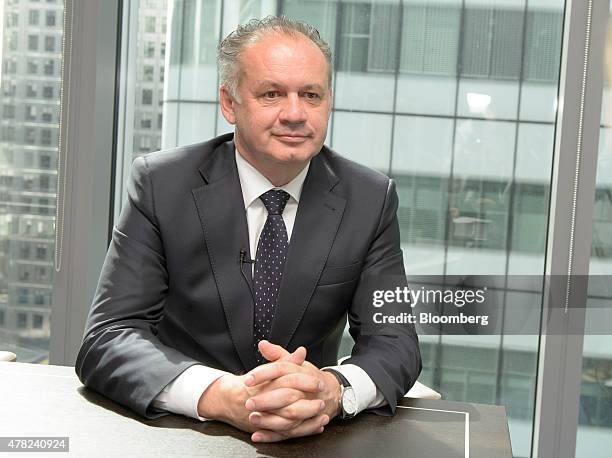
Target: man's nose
x=293, y=110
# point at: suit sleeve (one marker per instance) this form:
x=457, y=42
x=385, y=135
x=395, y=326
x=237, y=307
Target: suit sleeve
x=391, y=356
x=121, y=356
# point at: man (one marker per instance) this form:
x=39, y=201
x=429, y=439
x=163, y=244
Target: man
x=249, y=248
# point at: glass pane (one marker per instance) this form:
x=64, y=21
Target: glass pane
x=29, y=116
x=595, y=421
x=456, y=99
x=149, y=78
x=472, y=157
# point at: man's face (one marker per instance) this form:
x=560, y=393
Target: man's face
x=285, y=101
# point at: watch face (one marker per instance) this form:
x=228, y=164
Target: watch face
x=349, y=401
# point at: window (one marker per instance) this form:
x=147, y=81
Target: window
x=147, y=97
x=24, y=250
x=44, y=161
x=43, y=209
x=10, y=66
x=33, y=17
x=595, y=419
x=24, y=274
x=9, y=89
x=30, y=139
x=41, y=252
x=30, y=113
x=145, y=143
x=8, y=111
x=2, y=314
x=22, y=318
x=50, y=19
x=44, y=182
x=149, y=24
x=49, y=67
x=430, y=39
x=32, y=67
x=8, y=134
x=149, y=49
x=49, y=43
x=46, y=115
x=148, y=73
x=45, y=138
x=37, y=321
x=31, y=91
x=47, y=92
x=27, y=159
x=355, y=37
x=12, y=42
x=12, y=20
x=472, y=172
x=33, y=42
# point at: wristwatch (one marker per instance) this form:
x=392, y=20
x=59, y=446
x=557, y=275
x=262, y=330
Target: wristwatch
x=348, y=399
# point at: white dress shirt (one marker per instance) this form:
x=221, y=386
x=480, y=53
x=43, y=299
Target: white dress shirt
x=181, y=396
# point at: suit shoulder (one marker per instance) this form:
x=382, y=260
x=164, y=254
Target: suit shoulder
x=187, y=157
x=353, y=172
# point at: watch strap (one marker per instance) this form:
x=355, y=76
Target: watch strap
x=341, y=378
x=344, y=384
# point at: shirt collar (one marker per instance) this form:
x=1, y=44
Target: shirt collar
x=254, y=184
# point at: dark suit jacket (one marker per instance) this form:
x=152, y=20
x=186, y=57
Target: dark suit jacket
x=171, y=293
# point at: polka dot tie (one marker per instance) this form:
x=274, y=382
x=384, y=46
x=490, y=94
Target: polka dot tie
x=270, y=261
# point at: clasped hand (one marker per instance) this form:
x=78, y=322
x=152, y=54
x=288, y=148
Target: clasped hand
x=288, y=397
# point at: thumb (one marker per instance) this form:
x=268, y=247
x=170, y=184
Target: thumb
x=274, y=352
x=297, y=357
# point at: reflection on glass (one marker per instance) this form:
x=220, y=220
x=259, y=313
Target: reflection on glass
x=456, y=100
x=149, y=76
x=31, y=58
x=595, y=419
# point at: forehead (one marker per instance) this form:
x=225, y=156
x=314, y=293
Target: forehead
x=284, y=59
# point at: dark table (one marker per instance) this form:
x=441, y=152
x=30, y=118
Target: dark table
x=39, y=400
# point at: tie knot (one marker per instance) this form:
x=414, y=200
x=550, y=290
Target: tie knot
x=275, y=201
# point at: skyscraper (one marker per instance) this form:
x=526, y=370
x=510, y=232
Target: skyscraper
x=29, y=119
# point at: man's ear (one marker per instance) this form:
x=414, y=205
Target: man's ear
x=226, y=101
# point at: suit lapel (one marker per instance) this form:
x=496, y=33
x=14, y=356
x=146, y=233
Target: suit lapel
x=316, y=224
x=220, y=207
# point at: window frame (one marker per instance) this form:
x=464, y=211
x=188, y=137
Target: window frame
x=90, y=49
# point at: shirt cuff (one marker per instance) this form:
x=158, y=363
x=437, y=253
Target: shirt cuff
x=367, y=393
x=181, y=395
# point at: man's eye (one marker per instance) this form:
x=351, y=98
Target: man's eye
x=271, y=94
x=312, y=95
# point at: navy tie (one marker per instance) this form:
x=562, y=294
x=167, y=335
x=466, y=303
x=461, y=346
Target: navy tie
x=269, y=264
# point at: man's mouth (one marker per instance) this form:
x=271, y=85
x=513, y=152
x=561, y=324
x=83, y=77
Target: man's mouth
x=292, y=138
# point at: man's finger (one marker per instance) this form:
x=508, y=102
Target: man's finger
x=304, y=382
x=297, y=357
x=274, y=399
x=274, y=352
x=270, y=371
x=300, y=410
x=307, y=428
x=291, y=417
x=272, y=422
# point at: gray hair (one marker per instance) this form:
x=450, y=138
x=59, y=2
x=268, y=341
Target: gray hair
x=250, y=33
